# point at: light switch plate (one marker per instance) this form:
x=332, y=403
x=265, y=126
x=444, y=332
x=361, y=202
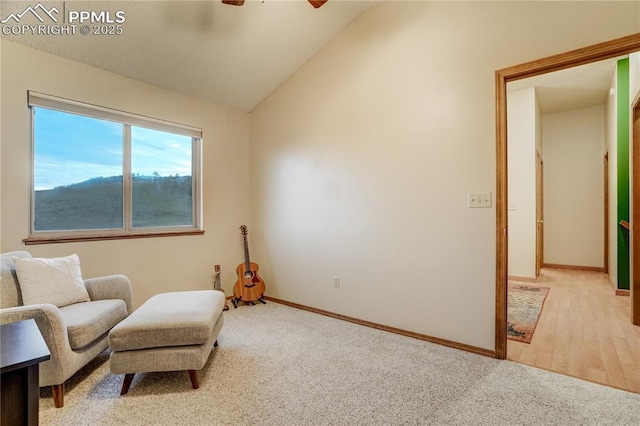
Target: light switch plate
x=479, y=200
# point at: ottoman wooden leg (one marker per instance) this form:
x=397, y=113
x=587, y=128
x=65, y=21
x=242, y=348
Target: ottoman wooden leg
x=128, y=378
x=193, y=374
x=58, y=395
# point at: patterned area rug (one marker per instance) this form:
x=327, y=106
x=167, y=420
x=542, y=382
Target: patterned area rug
x=523, y=310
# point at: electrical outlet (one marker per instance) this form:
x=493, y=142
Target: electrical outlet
x=336, y=281
x=479, y=200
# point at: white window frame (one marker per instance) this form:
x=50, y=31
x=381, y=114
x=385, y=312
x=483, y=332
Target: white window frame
x=127, y=119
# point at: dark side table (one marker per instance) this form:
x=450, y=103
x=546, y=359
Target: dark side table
x=22, y=348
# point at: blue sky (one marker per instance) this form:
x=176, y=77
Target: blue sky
x=72, y=148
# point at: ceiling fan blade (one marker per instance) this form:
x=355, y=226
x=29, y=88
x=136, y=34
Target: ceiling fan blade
x=234, y=2
x=317, y=3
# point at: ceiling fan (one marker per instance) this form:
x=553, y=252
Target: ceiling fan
x=314, y=3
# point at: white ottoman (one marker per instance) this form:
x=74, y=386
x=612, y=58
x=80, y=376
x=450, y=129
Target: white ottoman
x=169, y=332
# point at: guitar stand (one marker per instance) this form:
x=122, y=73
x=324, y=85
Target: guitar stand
x=249, y=303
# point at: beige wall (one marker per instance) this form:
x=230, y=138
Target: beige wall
x=634, y=75
x=360, y=163
x=155, y=264
x=522, y=136
x=574, y=187
x=362, y=160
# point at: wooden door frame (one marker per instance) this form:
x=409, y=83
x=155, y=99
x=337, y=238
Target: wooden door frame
x=606, y=211
x=635, y=218
x=610, y=49
x=539, y=205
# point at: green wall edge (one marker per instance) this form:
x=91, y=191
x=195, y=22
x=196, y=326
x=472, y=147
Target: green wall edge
x=623, y=171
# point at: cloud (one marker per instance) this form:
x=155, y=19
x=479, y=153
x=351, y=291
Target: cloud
x=71, y=148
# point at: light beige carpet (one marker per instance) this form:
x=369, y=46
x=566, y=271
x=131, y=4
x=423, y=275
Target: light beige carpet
x=277, y=365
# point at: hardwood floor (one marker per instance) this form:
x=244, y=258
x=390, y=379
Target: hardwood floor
x=584, y=331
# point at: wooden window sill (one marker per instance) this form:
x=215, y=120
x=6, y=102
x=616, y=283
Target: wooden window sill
x=105, y=237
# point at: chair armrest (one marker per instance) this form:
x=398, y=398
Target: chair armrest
x=49, y=320
x=111, y=287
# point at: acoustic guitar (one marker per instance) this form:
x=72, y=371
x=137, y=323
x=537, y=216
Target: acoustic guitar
x=217, y=286
x=249, y=287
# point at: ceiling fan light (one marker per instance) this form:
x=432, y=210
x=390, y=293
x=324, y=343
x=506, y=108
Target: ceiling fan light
x=317, y=3
x=234, y=2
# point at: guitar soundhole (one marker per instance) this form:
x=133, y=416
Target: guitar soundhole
x=248, y=275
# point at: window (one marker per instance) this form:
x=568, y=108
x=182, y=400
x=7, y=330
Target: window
x=105, y=173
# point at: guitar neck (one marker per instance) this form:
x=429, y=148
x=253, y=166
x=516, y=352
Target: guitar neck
x=247, y=262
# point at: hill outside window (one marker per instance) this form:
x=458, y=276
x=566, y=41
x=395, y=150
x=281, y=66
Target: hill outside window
x=99, y=173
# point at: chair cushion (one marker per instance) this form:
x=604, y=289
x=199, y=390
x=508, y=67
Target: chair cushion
x=55, y=280
x=88, y=321
x=169, y=319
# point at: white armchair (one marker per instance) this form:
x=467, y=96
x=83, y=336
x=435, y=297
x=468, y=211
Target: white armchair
x=75, y=334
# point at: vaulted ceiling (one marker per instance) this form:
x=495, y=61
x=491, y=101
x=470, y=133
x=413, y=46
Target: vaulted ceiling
x=232, y=56
x=235, y=56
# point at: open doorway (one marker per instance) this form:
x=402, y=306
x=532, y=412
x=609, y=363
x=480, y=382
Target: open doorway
x=599, y=52
x=566, y=118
